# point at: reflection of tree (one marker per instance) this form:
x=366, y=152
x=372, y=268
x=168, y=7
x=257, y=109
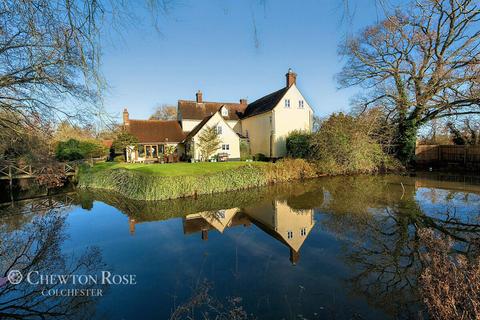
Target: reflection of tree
x=36, y=246
x=380, y=222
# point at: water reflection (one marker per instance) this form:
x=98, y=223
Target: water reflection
x=290, y=227
x=32, y=235
x=358, y=238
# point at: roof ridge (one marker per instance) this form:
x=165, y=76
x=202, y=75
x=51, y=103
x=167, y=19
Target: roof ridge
x=203, y=102
x=150, y=120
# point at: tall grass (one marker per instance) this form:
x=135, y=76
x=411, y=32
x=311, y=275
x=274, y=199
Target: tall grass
x=142, y=186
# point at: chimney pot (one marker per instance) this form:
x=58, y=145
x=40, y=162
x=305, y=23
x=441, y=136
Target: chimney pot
x=199, y=96
x=243, y=101
x=291, y=78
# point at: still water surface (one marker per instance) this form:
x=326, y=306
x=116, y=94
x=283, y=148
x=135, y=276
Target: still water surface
x=332, y=248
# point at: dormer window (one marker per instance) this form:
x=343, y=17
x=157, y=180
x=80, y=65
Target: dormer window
x=300, y=104
x=287, y=103
x=224, y=112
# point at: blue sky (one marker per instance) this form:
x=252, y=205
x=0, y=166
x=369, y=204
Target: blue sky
x=211, y=45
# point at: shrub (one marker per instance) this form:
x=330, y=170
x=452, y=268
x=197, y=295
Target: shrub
x=290, y=170
x=298, y=144
x=342, y=146
x=450, y=282
x=260, y=157
x=245, y=150
x=75, y=150
x=119, y=159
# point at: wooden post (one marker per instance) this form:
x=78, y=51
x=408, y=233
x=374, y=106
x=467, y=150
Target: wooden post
x=145, y=151
x=465, y=155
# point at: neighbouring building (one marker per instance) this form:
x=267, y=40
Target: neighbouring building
x=264, y=123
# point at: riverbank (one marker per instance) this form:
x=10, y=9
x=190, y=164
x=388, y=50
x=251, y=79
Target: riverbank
x=171, y=181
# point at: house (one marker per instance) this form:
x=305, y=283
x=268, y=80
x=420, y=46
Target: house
x=230, y=140
x=268, y=121
x=264, y=123
x=155, y=138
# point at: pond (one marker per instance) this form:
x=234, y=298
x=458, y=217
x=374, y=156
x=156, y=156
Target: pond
x=331, y=248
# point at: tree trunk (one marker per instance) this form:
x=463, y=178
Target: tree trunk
x=407, y=139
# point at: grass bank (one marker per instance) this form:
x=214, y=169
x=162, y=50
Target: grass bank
x=170, y=181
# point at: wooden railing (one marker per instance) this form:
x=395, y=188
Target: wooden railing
x=10, y=170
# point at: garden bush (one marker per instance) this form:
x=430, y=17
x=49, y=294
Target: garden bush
x=119, y=158
x=73, y=149
x=343, y=146
x=298, y=144
x=260, y=157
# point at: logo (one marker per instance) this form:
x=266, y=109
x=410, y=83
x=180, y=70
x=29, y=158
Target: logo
x=15, y=277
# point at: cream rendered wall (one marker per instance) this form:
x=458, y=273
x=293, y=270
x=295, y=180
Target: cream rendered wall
x=287, y=120
x=188, y=125
x=228, y=136
x=258, y=129
x=236, y=125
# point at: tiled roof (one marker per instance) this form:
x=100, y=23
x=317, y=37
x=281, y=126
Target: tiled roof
x=197, y=111
x=264, y=104
x=156, y=130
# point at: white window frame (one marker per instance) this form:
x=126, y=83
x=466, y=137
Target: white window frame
x=289, y=234
x=226, y=147
x=300, y=104
x=224, y=112
x=287, y=103
x=219, y=129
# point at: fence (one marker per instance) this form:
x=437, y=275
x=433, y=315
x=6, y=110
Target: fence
x=465, y=155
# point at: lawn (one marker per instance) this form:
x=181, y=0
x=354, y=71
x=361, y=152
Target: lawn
x=175, y=169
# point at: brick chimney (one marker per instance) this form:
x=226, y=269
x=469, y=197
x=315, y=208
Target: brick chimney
x=126, y=119
x=199, y=96
x=291, y=78
x=243, y=101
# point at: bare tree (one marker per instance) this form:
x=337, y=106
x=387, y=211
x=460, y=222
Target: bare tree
x=418, y=65
x=50, y=57
x=164, y=112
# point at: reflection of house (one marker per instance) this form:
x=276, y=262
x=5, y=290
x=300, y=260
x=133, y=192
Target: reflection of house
x=289, y=226
x=276, y=218
x=265, y=122
x=209, y=220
